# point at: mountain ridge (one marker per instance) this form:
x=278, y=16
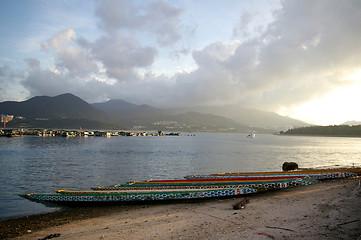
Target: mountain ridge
x=250, y=117
x=128, y=115
x=61, y=106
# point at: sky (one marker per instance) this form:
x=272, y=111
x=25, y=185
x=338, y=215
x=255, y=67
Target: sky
x=298, y=58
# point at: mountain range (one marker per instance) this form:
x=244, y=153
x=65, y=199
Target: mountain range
x=70, y=111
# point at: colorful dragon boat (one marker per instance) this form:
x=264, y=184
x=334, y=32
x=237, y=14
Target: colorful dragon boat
x=355, y=170
x=195, y=184
x=74, y=197
x=173, y=184
x=316, y=174
x=148, y=192
x=192, y=187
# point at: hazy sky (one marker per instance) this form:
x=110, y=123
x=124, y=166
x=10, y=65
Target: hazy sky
x=297, y=58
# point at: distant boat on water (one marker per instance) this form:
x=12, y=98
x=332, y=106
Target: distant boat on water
x=251, y=135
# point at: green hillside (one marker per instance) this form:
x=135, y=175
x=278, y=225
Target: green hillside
x=335, y=130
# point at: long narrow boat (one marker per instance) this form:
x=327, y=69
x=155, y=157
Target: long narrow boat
x=355, y=170
x=195, y=187
x=265, y=184
x=241, y=179
x=272, y=175
x=173, y=191
x=74, y=197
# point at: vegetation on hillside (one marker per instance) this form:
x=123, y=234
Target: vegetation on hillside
x=62, y=123
x=335, y=130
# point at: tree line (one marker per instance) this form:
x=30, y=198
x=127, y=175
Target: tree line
x=335, y=130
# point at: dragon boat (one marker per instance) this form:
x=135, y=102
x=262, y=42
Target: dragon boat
x=192, y=187
x=63, y=197
x=310, y=171
x=158, y=191
x=316, y=174
x=183, y=184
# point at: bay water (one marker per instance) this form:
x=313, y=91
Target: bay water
x=47, y=164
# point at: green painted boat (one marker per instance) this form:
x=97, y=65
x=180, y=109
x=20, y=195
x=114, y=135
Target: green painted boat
x=83, y=197
x=266, y=184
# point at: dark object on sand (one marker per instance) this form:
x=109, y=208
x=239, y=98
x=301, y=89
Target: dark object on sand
x=241, y=204
x=55, y=235
x=288, y=166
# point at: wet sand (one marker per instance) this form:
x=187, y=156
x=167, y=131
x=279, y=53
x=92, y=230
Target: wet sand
x=328, y=210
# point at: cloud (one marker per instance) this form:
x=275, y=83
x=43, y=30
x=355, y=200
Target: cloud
x=40, y=81
x=52, y=82
x=158, y=18
x=10, y=84
x=304, y=53
x=71, y=71
x=32, y=63
x=87, y=69
x=116, y=55
x=120, y=55
x=241, y=29
x=71, y=57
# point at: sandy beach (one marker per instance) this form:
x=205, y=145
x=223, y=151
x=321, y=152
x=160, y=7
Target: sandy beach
x=328, y=210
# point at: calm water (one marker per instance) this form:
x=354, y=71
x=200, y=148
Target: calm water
x=46, y=164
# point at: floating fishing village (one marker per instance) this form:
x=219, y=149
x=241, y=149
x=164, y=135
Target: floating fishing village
x=78, y=133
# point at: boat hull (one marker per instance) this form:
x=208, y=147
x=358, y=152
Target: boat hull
x=301, y=171
x=193, y=187
x=274, y=184
x=119, y=197
x=272, y=175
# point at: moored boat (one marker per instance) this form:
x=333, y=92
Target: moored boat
x=193, y=187
x=251, y=135
x=269, y=175
x=355, y=170
x=68, y=197
x=264, y=184
x=157, y=191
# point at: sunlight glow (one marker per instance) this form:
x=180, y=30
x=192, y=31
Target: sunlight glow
x=335, y=108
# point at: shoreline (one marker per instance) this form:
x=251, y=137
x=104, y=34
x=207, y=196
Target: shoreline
x=330, y=209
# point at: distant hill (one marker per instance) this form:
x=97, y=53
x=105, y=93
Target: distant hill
x=251, y=117
x=58, y=111
x=115, y=106
x=62, y=106
x=352, y=123
x=336, y=130
x=210, y=122
x=147, y=117
x=70, y=111
x=123, y=111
